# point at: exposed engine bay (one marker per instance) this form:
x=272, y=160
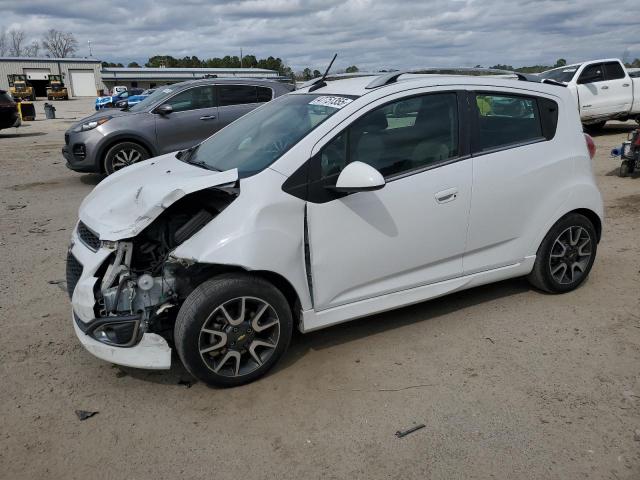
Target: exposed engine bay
x=139, y=287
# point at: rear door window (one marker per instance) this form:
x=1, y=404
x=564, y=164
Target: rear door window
x=505, y=120
x=613, y=71
x=237, y=94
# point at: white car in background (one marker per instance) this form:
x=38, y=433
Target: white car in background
x=337, y=201
x=603, y=89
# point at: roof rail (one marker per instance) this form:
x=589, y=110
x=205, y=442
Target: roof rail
x=336, y=76
x=392, y=77
x=385, y=79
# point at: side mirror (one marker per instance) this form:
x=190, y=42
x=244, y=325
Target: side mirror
x=164, y=109
x=359, y=177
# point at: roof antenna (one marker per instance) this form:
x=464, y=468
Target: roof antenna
x=319, y=83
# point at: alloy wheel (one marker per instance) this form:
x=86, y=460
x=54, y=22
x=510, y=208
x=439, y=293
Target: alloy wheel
x=125, y=157
x=570, y=255
x=239, y=336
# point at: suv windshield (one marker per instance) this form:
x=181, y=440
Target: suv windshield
x=258, y=139
x=562, y=74
x=156, y=96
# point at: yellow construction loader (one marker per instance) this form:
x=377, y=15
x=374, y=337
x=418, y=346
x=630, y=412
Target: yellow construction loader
x=19, y=88
x=56, y=89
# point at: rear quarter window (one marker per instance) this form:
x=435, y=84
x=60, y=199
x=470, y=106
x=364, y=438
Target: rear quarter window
x=503, y=120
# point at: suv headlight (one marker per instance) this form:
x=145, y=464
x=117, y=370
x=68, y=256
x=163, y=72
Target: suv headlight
x=91, y=125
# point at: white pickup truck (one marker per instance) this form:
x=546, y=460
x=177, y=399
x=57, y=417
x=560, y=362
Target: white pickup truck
x=603, y=89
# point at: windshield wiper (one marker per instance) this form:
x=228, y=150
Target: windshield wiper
x=185, y=156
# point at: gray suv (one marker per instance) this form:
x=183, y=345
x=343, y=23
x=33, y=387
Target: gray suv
x=173, y=118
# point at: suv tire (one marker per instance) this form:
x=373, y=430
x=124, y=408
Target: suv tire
x=122, y=155
x=565, y=256
x=232, y=329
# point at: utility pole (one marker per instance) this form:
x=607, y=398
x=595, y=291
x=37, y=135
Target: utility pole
x=89, y=42
x=240, y=57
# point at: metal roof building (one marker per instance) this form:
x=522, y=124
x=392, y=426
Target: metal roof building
x=85, y=77
x=81, y=75
x=151, y=77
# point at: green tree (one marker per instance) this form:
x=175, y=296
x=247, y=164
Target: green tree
x=306, y=74
x=561, y=62
x=352, y=69
x=317, y=73
x=133, y=65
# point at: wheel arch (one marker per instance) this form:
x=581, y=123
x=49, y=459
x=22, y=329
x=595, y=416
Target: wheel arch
x=102, y=152
x=593, y=218
x=277, y=280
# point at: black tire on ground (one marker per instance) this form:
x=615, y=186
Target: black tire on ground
x=122, y=155
x=595, y=127
x=197, y=312
x=549, y=261
x=625, y=169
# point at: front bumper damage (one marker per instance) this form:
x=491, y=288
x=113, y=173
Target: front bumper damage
x=146, y=350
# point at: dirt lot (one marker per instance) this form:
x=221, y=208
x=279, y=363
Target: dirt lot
x=510, y=383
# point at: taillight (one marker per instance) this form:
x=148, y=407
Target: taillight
x=591, y=146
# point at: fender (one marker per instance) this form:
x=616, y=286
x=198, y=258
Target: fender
x=110, y=140
x=582, y=196
x=269, y=238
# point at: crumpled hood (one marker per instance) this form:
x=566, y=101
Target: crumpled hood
x=124, y=203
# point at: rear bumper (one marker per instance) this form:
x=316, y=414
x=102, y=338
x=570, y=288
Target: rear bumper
x=152, y=352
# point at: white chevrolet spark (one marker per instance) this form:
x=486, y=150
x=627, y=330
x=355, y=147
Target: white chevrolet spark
x=334, y=202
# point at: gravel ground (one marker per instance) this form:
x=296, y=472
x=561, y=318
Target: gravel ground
x=510, y=382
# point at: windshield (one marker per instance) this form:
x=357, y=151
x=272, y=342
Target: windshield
x=155, y=97
x=563, y=74
x=258, y=139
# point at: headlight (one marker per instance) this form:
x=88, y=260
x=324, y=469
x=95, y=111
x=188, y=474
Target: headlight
x=91, y=125
x=109, y=244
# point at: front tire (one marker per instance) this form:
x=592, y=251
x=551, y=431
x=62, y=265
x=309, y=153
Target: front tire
x=232, y=329
x=565, y=256
x=122, y=155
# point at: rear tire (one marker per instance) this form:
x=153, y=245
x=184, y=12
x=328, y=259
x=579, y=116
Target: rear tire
x=232, y=329
x=565, y=256
x=122, y=155
x=595, y=127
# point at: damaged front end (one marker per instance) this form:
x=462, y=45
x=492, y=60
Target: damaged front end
x=136, y=288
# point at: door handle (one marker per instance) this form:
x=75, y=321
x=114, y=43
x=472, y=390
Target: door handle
x=604, y=87
x=208, y=117
x=446, y=196
x=625, y=84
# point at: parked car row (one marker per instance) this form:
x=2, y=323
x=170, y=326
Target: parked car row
x=109, y=101
x=329, y=203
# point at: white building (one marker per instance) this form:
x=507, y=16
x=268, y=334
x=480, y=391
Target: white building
x=80, y=75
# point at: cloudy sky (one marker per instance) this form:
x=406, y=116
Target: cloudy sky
x=372, y=34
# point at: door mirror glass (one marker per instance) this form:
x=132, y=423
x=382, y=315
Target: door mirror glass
x=164, y=109
x=359, y=177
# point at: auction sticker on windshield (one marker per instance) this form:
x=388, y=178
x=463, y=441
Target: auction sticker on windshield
x=331, y=101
